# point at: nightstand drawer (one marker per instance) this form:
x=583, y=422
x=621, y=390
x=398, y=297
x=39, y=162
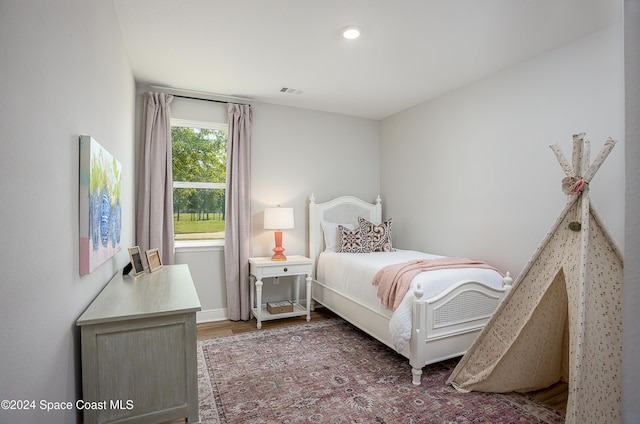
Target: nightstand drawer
x=282, y=270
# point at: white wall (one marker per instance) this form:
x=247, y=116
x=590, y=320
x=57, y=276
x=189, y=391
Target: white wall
x=64, y=73
x=470, y=173
x=631, y=306
x=295, y=152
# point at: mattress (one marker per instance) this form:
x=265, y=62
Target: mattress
x=351, y=275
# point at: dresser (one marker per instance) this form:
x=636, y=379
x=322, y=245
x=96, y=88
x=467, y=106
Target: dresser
x=139, y=349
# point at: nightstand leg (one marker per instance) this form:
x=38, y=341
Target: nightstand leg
x=297, y=289
x=259, y=303
x=252, y=291
x=308, y=279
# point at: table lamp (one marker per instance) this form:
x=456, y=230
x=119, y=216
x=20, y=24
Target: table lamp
x=278, y=219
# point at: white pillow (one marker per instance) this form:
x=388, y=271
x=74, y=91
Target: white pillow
x=331, y=238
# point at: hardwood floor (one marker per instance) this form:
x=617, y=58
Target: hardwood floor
x=554, y=396
x=226, y=328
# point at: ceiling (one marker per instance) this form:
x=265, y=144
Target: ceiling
x=409, y=51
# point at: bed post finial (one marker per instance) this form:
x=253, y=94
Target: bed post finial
x=312, y=198
x=507, y=281
x=378, y=200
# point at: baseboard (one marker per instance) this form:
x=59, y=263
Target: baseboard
x=211, y=315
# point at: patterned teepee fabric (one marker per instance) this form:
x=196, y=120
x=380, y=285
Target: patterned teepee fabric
x=562, y=321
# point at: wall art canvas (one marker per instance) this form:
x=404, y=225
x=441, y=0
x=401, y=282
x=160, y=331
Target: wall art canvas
x=100, y=208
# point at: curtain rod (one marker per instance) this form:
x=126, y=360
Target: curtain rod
x=199, y=98
x=200, y=95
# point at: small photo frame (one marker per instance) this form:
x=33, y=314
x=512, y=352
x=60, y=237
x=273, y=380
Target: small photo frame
x=153, y=259
x=136, y=260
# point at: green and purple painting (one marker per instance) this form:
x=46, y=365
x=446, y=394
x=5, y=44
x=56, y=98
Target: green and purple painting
x=100, y=209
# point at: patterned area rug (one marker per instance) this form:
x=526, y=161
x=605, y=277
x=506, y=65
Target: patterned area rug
x=330, y=372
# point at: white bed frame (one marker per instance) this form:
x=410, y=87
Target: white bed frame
x=443, y=326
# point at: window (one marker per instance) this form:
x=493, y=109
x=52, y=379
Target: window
x=199, y=152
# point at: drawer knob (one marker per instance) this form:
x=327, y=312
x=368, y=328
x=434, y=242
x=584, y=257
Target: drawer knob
x=285, y=270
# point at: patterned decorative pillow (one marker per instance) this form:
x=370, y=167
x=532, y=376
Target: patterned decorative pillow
x=331, y=235
x=352, y=241
x=378, y=235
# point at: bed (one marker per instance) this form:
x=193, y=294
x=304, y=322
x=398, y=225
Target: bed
x=437, y=319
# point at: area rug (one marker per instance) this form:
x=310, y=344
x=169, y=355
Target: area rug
x=330, y=372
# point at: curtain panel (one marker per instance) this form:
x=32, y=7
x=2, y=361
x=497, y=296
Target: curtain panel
x=238, y=212
x=154, y=207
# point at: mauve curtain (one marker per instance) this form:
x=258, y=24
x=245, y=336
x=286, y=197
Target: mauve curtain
x=237, y=238
x=154, y=220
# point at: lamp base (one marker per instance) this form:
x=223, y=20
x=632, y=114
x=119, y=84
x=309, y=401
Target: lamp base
x=278, y=256
x=277, y=251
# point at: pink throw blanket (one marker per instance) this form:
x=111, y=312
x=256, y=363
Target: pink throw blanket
x=393, y=281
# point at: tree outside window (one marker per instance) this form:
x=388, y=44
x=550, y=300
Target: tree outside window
x=199, y=179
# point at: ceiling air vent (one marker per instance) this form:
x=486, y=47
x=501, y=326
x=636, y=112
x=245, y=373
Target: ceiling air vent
x=290, y=90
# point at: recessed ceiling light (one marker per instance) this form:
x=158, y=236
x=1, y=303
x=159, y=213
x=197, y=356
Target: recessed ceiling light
x=351, y=32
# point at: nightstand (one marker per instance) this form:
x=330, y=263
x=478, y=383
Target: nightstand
x=295, y=265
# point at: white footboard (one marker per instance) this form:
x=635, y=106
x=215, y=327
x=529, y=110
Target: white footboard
x=444, y=326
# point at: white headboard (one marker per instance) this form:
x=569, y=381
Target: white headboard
x=341, y=210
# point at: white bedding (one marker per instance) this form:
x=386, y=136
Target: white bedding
x=352, y=273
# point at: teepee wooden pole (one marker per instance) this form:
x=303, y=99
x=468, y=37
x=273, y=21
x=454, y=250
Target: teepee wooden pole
x=578, y=154
x=608, y=146
x=562, y=160
x=586, y=156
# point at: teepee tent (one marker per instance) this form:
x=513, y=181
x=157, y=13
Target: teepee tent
x=562, y=320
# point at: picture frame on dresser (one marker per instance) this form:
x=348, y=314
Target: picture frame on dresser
x=136, y=260
x=153, y=259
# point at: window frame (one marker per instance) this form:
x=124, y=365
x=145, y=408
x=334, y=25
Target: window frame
x=198, y=245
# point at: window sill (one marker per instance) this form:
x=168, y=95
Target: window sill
x=199, y=246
